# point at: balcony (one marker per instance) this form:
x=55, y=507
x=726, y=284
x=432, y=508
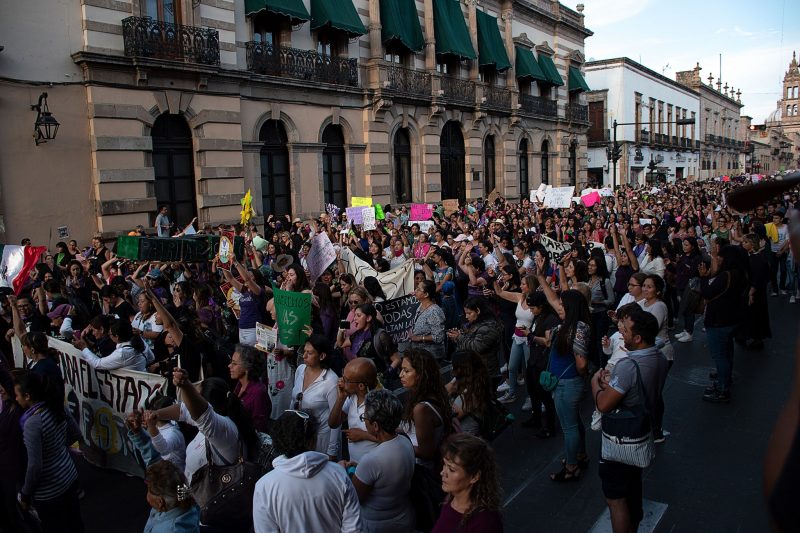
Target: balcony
x=710, y=139
x=644, y=137
x=697, y=144
x=309, y=65
x=497, y=97
x=145, y=37
x=576, y=113
x=536, y=105
x=458, y=91
x=406, y=82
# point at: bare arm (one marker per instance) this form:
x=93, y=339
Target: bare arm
x=629, y=251
x=515, y=297
x=167, y=320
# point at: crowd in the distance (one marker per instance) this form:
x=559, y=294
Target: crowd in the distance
x=352, y=430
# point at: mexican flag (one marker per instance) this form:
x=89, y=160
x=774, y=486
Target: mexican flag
x=16, y=263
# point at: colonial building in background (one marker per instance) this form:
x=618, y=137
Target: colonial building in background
x=188, y=103
x=719, y=131
x=653, y=147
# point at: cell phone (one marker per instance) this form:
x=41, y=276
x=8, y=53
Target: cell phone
x=344, y=324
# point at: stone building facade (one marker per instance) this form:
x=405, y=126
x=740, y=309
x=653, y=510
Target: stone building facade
x=188, y=103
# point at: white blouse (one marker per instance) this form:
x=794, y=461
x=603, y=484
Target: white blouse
x=318, y=400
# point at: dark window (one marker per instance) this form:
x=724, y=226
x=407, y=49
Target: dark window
x=523, y=168
x=267, y=28
x=276, y=197
x=489, y=182
x=451, y=157
x=163, y=10
x=545, y=163
x=402, y=167
x=597, y=124
x=334, y=176
x=174, y=168
x=573, y=163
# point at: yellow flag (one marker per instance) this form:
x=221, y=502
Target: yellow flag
x=247, y=211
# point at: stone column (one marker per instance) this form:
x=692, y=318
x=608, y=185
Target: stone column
x=472, y=18
x=507, y=16
x=430, y=38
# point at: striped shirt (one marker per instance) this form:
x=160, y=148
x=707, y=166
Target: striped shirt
x=50, y=469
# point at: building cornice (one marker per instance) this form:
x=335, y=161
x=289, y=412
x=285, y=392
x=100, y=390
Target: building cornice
x=626, y=61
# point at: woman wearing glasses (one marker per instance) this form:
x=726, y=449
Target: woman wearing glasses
x=315, y=392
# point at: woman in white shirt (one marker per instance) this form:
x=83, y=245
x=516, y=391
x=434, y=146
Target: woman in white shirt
x=144, y=323
x=653, y=260
x=315, y=392
x=131, y=352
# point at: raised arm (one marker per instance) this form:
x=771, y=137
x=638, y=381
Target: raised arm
x=254, y=287
x=629, y=251
x=167, y=320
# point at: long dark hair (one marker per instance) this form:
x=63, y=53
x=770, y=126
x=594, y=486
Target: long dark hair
x=473, y=381
x=476, y=303
x=123, y=330
x=42, y=389
x=373, y=287
x=575, y=310
x=217, y=392
x=429, y=387
x=474, y=455
x=302, y=283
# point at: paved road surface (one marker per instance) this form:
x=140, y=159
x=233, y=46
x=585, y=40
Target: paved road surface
x=707, y=474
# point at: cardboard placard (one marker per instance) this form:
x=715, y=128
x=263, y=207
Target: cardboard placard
x=355, y=215
x=559, y=197
x=361, y=201
x=266, y=337
x=294, y=314
x=421, y=211
x=398, y=316
x=368, y=218
x=321, y=256
x=450, y=206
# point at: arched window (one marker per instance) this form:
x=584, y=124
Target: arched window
x=794, y=110
x=173, y=164
x=573, y=163
x=334, y=176
x=451, y=159
x=488, y=165
x=402, y=167
x=276, y=191
x=545, y=162
x=522, y=156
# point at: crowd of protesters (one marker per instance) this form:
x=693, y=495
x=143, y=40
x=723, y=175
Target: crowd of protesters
x=355, y=426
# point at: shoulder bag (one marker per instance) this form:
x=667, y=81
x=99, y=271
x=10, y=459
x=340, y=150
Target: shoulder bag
x=224, y=493
x=547, y=379
x=627, y=432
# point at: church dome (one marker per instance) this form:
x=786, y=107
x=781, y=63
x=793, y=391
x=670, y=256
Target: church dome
x=774, y=117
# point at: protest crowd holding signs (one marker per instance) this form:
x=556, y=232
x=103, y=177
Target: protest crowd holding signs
x=247, y=370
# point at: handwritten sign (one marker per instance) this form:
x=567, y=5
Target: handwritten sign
x=449, y=206
x=99, y=401
x=494, y=195
x=368, y=218
x=541, y=192
x=396, y=282
x=590, y=199
x=355, y=215
x=645, y=221
x=361, y=201
x=424, y=225
x=321, y=255
x=421, y=211
x=398, y=316
x=559, y=197
x=294, y=314
x=606, y=191
x=557, y=250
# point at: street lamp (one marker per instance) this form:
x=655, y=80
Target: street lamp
x=46, y=126
x=616, y=150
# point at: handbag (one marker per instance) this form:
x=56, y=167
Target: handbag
x=426, y=496
x=627, y=432
x=547, y=379
x=497, y=419
x=224, y=493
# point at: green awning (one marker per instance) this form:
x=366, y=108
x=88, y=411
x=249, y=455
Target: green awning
x=450, y=28
x=576, y=81
x=294, y=9
x=491, y=49
x=400, y=22
x=527, y=66
x=337, y=14
x=550, y=71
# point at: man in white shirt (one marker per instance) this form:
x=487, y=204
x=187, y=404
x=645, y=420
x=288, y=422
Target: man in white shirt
x=358, y=378
x=163, y=223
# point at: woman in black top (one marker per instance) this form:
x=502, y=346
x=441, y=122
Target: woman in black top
x=545, y=320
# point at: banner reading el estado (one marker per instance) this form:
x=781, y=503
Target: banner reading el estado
x=99, y=401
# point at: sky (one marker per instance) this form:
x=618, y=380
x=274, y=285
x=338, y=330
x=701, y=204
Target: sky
x=755, y=38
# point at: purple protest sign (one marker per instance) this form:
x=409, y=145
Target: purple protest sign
x=356, y=215
x=421, y=211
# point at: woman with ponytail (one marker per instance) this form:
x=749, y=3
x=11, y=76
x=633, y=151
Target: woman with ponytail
x=131, y=352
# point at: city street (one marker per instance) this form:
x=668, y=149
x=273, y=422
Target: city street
x=707, y=474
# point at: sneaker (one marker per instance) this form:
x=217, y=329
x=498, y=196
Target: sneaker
x=717, y=396
x=774, y=293
x=504, y=368
x=792, y=299
x=521, y=381
x=711, y=388
x=660, y=438
x=681, y=334
x=784, y=293
x=686, y=338
x=507, y=398
x=503, y=387
x=528, y=405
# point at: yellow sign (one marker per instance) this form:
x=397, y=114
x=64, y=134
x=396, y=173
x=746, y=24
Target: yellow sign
x=247, y=211
x=361, y=201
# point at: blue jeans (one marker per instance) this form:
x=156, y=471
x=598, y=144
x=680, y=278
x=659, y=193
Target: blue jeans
x=567, y=397
x=720, y=343
x=517, y=363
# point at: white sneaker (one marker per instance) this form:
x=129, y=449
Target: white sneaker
x=792, y=299
x=681, y=334
x=503, y=387
x=507, y=398
x=528, y=405
x=784, y=293
x=504, y=368
x=686, y=338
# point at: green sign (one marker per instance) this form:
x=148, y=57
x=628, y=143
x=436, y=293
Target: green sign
x=294, y=315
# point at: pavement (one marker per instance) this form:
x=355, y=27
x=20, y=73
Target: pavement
x=706, y=476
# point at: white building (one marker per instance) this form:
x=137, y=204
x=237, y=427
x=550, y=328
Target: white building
x=653, y=147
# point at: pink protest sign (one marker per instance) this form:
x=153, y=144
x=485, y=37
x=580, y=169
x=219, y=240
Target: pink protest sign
x=421, y=211
x=590, y=199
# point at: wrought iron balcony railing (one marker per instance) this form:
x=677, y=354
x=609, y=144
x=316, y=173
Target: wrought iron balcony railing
x=497, y=97
x=309, y=65
x=457, y=90
x=407, y=82
x=536, y=105
x=644, y=137
x=577, y=113
x=146, y=37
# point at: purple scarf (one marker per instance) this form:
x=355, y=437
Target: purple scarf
x=358, y=341
x=32, y=410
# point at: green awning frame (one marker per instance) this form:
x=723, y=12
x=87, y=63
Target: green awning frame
x=337, y=14
x=550, y=70
x=450, y=29
x=400, y=22
x=491, y=48
x=293, y=9
x=577, y=83
x=527, y=66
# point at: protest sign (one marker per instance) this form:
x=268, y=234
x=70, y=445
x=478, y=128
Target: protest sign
x=398, y=316
x=644, y=221
x=755, y=178
x=332, y=210
x=321, y=255
x=225, y=250
x=379, y=214
x=63, y=232
x=450, y=206
x=576, y=199
x=421, y=211
x=294, y=314
x=559, y=197
x=368, y=218
x=606, y=191
x=398, y=281
x=494, y=195
x=541, y=192
x=361, y=201
x=557, y=250
x=99, y=401
x=355, y=215
x=424, y=225
x=266, y=337
x=590, y=199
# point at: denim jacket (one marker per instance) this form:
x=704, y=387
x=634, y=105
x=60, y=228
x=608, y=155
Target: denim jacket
x=174, y=521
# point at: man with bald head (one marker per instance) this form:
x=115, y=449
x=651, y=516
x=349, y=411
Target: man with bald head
x=358, y=378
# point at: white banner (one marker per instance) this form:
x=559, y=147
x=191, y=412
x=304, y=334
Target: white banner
x=559, y=197
x=396, y=282
x=556, y=249
x=321, y=256
x=99, y=401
